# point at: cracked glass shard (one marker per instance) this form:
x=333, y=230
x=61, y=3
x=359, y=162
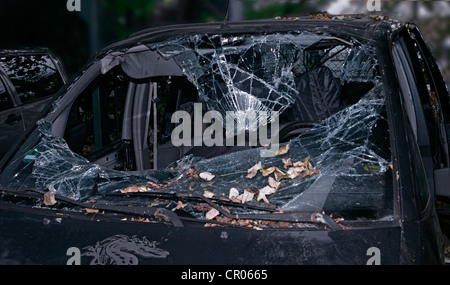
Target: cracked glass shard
x=349, y=148
x=360, y=65
x=53, y=166
x=241, y=73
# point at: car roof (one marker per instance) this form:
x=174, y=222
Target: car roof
x=25, y=50
x=362, y=26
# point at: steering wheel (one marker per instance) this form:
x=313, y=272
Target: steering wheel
x=294, y=129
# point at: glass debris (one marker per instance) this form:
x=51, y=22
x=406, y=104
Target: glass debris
x=241, y=73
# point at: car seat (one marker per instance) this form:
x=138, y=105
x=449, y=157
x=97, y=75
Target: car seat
x=319, y=96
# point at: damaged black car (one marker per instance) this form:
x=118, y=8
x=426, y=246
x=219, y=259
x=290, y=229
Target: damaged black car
x=284, y=141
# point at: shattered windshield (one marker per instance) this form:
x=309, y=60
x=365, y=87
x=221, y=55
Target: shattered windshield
x=324, y=93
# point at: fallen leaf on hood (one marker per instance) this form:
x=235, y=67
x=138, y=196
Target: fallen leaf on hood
x=282, y=150
x=279, y=175
x=223, y=219
x=207, y=176
x=312, y=172
x=338, y=220
x=263, y=192
x=246, y=196
x=155, y=185
x=254, y=170
x=274, y=184
x=202, y=207
x=208, y=194
x=49, y=199
x=233, y=193
x=211, y=214
x=192, y=172
x=180, y=205
x=135, y=188
x=299, y=164
x=91, y=211
x=266, y=172
x=295, y=171
x=307, y=163
x=287, y=162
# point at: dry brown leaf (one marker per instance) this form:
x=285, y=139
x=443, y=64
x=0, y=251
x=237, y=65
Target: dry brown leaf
x=287, y=162
x=207, y=176
x=202, y=207
x=155, y=185
x=263, y=192
x=223, y=219
x=180, y=205
x=49, y=199
x=226, y=210
x=246, y=196
x=282, y=150
x=131, y=189
x=192, y=172
x=295, y=171
x=211, y=214
x=307, y=163
x=337, y=220
x=273, y=183
x=91, y=211
x=268, y=171
x=208, y=194
x=234, y=193
x=278, y=175
x=299, y=164
x=254, y=170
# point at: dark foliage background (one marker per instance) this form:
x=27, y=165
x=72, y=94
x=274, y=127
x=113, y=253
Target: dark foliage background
x=75, y=36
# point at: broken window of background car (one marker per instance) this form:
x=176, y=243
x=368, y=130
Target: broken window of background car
x=340, y=163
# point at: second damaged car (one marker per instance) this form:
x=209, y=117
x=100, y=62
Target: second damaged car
x=315, y=141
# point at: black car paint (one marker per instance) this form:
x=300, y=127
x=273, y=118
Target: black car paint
x=192, y=245
x=411, y=237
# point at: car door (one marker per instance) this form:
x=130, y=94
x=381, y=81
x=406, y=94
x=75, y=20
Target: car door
x=427, y=105
x=11, y=120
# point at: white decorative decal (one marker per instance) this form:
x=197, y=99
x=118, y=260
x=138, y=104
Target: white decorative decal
x=123, y=250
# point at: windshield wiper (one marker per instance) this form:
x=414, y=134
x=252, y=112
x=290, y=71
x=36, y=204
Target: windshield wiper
x=156, y=212
x=197, y=197
x=292, y=217
x=170, y=216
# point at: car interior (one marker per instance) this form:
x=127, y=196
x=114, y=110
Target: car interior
x=124, y=123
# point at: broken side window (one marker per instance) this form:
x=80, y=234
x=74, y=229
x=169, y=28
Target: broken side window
x=34, y=75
